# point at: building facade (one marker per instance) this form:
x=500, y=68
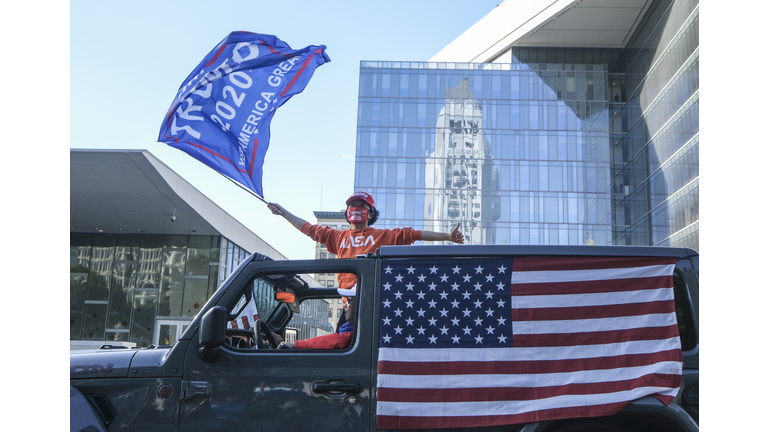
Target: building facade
x=542, y=139
x=147, y=250
x=143, y=288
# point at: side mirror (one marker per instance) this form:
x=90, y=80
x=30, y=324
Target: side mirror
x=213, y=332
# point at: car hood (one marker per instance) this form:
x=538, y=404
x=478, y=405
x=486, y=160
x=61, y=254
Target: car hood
x=100, y=363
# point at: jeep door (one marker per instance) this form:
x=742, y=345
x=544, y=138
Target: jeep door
x=249, y=389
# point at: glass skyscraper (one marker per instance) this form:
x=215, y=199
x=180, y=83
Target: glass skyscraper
x=542, y=145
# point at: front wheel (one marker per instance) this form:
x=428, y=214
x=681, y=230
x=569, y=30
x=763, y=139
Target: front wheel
x=597, y=425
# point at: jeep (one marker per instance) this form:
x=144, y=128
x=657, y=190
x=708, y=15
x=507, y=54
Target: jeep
x=496, y=338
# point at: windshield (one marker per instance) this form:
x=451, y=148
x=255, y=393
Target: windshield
x=288, y=306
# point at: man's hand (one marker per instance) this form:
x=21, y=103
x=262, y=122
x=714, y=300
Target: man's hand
x=276, y=209
x=455, y=235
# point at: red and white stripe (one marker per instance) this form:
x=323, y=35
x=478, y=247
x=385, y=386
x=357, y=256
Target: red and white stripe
x=590, y=335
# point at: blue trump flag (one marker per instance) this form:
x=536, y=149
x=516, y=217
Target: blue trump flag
x=222, y=111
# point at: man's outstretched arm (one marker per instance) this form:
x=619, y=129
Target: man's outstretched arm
x=454, y=236
x=277, y=209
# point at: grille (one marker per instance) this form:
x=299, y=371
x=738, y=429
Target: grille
x=104, y=407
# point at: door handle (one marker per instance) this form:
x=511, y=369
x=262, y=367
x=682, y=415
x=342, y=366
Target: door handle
x=190, y=389
x=336, y=387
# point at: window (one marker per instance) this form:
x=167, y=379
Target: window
x=287, y=305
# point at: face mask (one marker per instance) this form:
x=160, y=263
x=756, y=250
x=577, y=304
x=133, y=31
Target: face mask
x=357, y=214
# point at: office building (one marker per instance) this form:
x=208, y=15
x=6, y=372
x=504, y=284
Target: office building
x=147, y=250
x=573, y=122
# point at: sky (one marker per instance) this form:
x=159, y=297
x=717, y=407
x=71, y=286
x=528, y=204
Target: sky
x=128, y=59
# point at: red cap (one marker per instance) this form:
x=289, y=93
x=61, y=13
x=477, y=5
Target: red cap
x=363, y=196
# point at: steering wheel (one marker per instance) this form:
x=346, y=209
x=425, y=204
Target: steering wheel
x=261, y=332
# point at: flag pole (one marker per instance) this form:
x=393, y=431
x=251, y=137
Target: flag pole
x=243, y=188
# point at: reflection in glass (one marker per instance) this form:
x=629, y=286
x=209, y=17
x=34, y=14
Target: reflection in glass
x=77, y=287
x=116, y=280
x=662, y=144
x=175, y=241
x=144, y=304
x=80, y=250
x=94, y=319
x=127, y=248
x=195, y=291
x=198, y=255
x=116, y=336
x=571, y=146
x=464, y=168
x=121, y=295
x=102, y=259
x=213, y=279
x=150, y=261
x=172, y=282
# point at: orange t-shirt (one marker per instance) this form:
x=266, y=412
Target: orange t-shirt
x=350, y=243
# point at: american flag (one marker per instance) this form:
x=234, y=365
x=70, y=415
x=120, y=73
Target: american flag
x=483, y=342
x=247, y=317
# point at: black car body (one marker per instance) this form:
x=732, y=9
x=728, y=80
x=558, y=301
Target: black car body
x=202, y=383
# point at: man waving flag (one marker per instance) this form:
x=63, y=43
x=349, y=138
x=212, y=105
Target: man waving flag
x=222, y=111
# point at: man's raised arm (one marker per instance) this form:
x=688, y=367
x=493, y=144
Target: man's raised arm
x=454, y=236
x=296, y=221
